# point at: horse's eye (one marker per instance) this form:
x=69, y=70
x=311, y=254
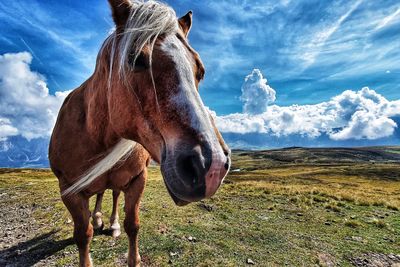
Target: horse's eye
x=200, y=75
x=141, y=64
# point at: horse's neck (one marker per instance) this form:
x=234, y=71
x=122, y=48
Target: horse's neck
x=97, y=117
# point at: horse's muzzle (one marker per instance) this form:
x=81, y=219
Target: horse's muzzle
x=192, y=173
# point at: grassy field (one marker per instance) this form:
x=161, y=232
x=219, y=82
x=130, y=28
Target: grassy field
x=277, y=208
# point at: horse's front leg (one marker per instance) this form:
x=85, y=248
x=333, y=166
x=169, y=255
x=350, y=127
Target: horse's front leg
x=115, y=226
x=78, y=206
x=131, y=222
x=96, y=215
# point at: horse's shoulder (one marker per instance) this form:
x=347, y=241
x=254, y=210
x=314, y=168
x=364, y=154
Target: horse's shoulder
x=76, y=97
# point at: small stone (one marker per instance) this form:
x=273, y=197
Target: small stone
x=191, y=239
x=207, y=207
x=173, y=254
x=357, y=238
x=250, y=262
x=162, y=229
x=263, y=217
x=68, y=221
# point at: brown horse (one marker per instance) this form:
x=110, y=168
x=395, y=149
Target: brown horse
x=141, y=101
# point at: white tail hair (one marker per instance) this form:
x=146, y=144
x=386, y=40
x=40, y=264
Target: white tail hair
x=120, y=152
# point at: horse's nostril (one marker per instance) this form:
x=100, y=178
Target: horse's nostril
x=227, y=163
x=226, y=166
x=191, y=168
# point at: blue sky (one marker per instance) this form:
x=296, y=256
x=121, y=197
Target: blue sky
x=309, y=51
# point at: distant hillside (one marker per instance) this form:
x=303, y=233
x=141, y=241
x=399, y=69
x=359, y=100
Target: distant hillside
x=381, y=163
x=298, y=155
x=18, y=152
x=266, y=141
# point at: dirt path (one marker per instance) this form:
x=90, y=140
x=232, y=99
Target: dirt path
x=377, y=259
x=23, y=240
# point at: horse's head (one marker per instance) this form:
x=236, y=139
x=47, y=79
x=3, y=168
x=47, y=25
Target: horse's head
x=154, y=99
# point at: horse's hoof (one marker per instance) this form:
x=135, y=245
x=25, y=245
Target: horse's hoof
x=138, y=262
x=97, y=223
x=116, y=233
x=98, y=227
x=115, y=229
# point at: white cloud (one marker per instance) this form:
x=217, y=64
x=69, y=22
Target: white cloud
x=388, y=19
x=44, y=21
x=341, y=30
x=367, y=115
x=256, y=93
x=313, y=47
x=6, y=129
x=26, y=107
x=362, y=114
x=366, y=125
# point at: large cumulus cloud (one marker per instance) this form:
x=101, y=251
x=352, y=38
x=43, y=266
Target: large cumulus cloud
x=26, y=107
x=362, y=114
x=256, y=93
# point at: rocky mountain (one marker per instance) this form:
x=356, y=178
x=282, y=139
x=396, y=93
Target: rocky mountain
x=18, y=152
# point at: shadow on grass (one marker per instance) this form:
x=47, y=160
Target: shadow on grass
x=32, y=251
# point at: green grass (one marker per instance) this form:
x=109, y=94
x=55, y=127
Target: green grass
x=393, y=151
x=275, y=215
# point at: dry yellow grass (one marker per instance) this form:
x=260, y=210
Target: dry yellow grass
x=274, y=213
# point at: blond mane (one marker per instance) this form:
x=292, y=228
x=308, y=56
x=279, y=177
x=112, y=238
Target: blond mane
x=147, y=21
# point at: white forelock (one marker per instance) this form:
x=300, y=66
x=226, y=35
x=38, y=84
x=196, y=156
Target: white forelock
x=147, y=21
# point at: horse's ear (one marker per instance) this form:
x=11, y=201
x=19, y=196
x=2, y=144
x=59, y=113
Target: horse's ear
x=120, y=11
x=186, y=23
